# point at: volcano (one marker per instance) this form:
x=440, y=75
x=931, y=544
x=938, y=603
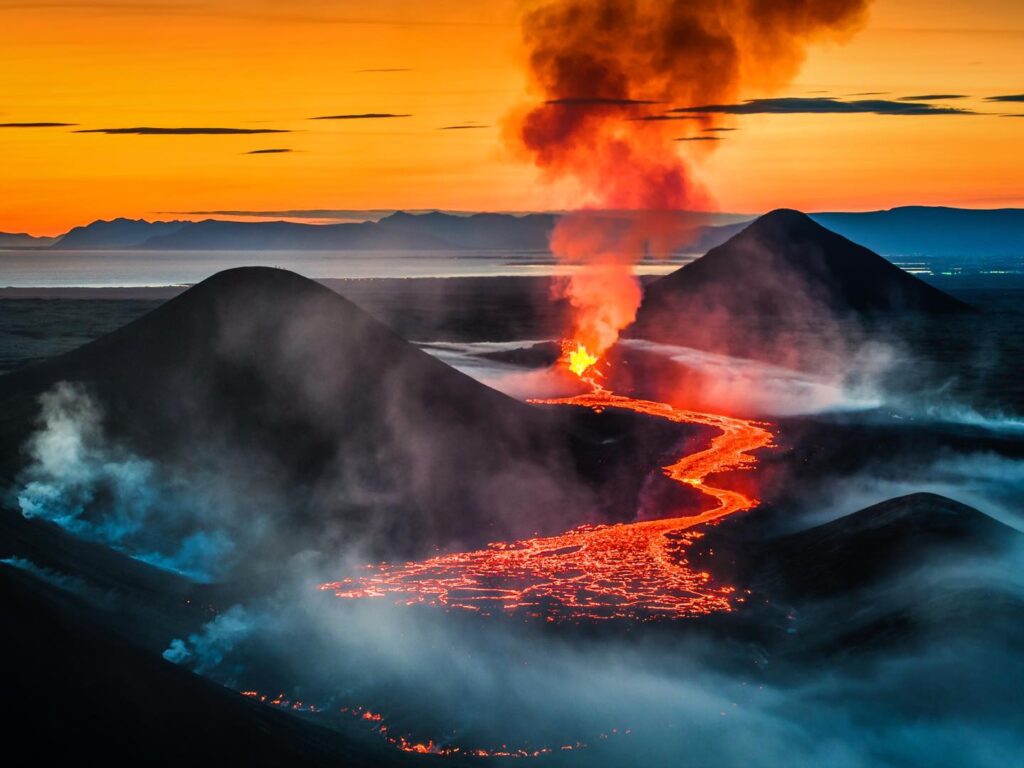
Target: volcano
x=784, y=272
x=315, y=423
x=875, y=543
x=783, y=257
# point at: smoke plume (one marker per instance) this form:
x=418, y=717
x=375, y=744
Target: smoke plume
x=613, y=79
x=92, y=487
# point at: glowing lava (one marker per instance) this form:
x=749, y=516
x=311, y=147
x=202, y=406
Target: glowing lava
x=625, y=571
x=579, y=360
x=409, y=744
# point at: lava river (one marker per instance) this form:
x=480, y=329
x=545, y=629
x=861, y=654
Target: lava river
x=626, y=571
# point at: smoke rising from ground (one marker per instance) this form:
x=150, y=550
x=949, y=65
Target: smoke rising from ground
x=103, y=492
x=475, y=682
x=598, y=69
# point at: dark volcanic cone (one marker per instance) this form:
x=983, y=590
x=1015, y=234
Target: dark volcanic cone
x=321, y=427
x=867, y=546
x=782, y=275
x=908, y=571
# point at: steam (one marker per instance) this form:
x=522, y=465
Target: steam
x=656, y=696
x=98, y=490
x=601, y=71
x=205, y=650
x=60, y=580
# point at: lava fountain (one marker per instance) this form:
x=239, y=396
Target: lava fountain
x=632, y=571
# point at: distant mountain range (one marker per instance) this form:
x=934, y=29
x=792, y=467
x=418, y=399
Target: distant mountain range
x=962, y=235
x=21, y=240
x=933, y=232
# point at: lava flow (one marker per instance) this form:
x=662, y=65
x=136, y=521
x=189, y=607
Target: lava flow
x=624, y=571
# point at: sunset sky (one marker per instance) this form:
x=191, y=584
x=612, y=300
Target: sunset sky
x=449, y=72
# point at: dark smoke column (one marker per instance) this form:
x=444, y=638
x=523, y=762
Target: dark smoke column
x=605, y=74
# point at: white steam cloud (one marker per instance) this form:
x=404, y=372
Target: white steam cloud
x=101, y=491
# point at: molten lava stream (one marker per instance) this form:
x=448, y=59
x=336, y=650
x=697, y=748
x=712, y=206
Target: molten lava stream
x=624, y=571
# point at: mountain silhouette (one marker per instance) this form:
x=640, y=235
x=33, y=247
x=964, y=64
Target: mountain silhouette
x=785, y=289
x=784, y=261
x=86, y=692
x=870, y=545
x=117, y=233
x=314, y=421
x=937, y=232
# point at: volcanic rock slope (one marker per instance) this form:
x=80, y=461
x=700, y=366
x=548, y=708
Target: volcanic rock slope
x=303, y=406
x=791, y=270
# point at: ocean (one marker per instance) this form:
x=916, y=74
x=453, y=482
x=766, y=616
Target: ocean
x=45, y=268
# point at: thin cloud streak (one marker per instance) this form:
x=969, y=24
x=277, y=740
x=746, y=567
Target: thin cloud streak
x=361, y=116
x=798, y=106
x=462, y=127
x=153, y=131
x=934, y=97
x=37, y=125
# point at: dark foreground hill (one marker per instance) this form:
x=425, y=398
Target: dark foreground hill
x=287, y=415
x=865, y=547
x=80, y=694
x=909, y=572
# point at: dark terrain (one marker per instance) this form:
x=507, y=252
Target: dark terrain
x=310, y=429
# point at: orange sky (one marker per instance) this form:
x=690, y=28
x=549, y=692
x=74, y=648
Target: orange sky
x=256, y=64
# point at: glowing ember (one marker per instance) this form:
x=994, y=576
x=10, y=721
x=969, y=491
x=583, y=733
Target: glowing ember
x=429, y=747
x=579, y=359
x=626, y=571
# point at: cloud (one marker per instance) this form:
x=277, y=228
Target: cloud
x=272, y=151
x=360, y=116
x=150, y=131
x=659, y=118
x=462, y=127
x=37, y=125
x=699, y=138
x=1013, y=97
x=823, y=105
x=718, y=130
x=934, y=97
x=597, y=101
